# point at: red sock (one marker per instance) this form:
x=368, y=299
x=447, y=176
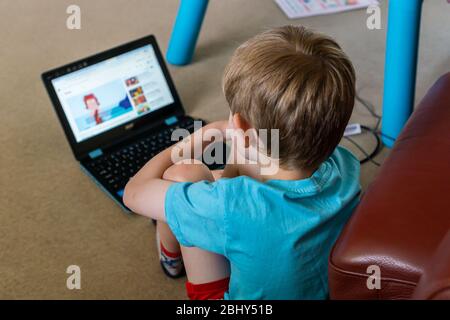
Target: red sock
x=207, y=291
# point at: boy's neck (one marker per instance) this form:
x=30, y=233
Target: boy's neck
x=297, y=174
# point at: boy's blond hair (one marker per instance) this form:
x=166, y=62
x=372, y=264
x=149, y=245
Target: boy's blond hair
x=299, y=82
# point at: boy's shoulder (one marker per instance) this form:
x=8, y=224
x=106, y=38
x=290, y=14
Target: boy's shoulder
x=345, y=162
x=339, y=174
x=342, y=162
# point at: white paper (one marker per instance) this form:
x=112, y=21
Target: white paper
x=306, y=8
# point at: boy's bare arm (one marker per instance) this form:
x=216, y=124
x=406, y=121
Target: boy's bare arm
x=145, y=192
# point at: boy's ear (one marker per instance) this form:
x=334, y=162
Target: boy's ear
x=240, y=123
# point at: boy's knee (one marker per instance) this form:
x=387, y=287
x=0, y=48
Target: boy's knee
x=188, y=173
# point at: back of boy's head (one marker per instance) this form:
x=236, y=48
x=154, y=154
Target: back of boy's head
x=298, y=82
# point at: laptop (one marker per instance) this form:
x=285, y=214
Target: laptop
x=118, y=109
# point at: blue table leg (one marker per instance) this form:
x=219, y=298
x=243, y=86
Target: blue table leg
x=186, y=30
x=401, y=66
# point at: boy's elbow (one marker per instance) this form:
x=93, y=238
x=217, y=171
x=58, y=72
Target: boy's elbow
x=129, y=196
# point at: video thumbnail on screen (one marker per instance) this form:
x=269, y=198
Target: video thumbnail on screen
x=137, y=93
x=100, y=105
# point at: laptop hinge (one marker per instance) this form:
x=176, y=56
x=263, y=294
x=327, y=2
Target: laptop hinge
x=96, y=153
x=171, y=120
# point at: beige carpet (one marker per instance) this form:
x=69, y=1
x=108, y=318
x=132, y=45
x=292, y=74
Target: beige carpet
x=52, y=215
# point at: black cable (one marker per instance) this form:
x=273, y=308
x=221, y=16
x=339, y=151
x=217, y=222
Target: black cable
x=371, y=110
x=379, y=146
x=374, y=153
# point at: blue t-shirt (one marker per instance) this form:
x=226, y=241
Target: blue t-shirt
x=277, y=235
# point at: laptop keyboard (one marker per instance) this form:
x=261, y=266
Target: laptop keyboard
x=116, y=168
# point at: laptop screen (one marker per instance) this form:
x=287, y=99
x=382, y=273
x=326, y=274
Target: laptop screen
x=110, y=93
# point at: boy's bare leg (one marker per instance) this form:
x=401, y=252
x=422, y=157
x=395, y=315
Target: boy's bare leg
x=201, y=266
x=167, y=238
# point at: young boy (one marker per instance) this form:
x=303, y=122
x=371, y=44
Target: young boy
x=255, y=233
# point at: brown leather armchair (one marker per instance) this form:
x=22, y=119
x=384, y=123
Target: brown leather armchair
x=403, y=219
x=435, y=281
